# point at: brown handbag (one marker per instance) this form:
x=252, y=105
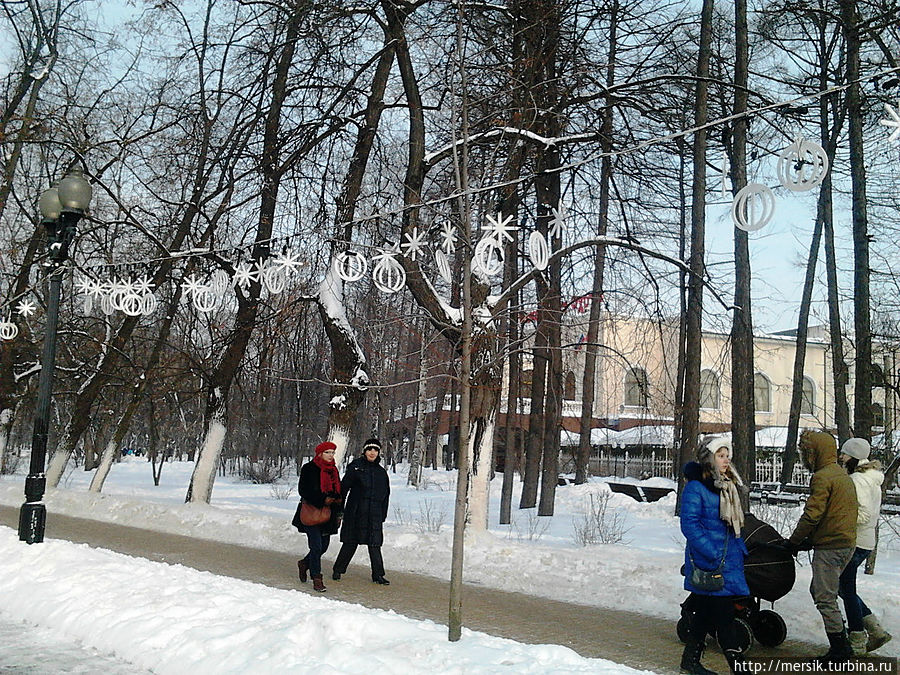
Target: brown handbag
x=312, y=515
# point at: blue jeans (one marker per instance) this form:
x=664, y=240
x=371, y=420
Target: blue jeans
x=318, y=544
x=854, y=607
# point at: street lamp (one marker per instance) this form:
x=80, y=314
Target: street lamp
x=61, y=207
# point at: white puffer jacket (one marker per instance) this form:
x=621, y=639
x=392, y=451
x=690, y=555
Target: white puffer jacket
x=867, y=480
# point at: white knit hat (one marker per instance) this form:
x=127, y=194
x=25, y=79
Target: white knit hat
x=857, y=448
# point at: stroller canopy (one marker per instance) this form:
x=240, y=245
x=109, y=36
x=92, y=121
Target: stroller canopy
x=769, y=570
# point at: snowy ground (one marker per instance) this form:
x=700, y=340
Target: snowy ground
x=417, y=539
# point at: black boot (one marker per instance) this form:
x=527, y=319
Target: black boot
x=335, y=575
x=690, y=658
x=302, y=569
x=839, y=651
x=380, y=580
x=733, y=658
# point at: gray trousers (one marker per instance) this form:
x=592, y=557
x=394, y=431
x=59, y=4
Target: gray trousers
x=827, y=565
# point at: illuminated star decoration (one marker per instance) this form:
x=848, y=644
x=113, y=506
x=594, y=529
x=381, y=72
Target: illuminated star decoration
x=86, y=286
x=288, y=261
x=414, y=243
x=142, y=286
x=558, y=221
x=26, y=308
x=448, y=236
x=893, y=122
x=500, y=229
x=244, y=275
x=192, y=285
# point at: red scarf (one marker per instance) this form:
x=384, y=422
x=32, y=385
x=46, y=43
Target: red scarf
x=330, y=480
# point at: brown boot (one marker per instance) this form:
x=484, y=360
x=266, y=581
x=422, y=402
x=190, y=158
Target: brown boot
x=302, y=569
x=318, y=584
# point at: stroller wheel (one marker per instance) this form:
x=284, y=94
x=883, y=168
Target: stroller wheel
x=769, y=628
x=682, y=629
x=741, y=639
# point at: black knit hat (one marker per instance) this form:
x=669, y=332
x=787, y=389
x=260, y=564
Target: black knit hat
x=372, y=443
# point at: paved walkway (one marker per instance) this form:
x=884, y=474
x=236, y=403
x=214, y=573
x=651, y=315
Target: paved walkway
x=633, y=639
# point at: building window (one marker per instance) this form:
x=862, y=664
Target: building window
x=762, y=393
x=569, y=387
x=808, y=398
x=877, y=415
x=709, y=390
x=636, y=393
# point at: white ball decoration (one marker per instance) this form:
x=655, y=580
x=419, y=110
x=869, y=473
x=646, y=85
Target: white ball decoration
x=753, y=207
x=132, y=304
x=388, y=275
x=802, y=165
x=443, y=265
x=488, y=256
x=538, y=251
x=274, y=278
x=8, y=330
x=205, y=300
x=351, y=265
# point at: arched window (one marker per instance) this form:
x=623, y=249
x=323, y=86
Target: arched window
x=636, y=393
x=569, y=387
x=877, y=415
x=762, y=393
x=808, y=398
x=709, y=389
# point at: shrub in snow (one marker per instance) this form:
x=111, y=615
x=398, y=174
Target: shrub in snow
x=600, y=524
x=430, y=518
x=532, y=529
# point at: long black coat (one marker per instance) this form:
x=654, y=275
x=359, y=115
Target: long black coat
x=367, y=491
x=310, y=487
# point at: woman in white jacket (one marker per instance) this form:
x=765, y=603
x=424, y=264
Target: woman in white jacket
x=866, y=634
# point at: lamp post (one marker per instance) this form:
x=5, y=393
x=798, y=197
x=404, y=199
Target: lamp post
x=61, y=208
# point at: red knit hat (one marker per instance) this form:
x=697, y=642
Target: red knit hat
x=325, y=445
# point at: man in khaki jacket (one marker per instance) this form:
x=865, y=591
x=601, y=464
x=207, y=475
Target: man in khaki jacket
x=828, y=526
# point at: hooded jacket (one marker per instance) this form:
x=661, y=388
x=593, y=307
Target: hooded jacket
x=706, y=534
x=829, y=518
x=867, y=480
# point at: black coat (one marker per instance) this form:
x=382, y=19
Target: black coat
x=310, y=487
x=367, y=491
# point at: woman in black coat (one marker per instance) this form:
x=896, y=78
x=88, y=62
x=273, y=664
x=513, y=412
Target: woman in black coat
x=319, y=485
x=367, y=490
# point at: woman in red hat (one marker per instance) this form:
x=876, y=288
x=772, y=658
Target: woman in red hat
x=319, y=485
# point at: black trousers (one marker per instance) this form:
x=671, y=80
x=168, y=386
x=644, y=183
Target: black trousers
x=712, y=614
x=346, y=555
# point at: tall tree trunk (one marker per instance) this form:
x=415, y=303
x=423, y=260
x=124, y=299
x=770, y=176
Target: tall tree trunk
x=743, y=415
x=350, y=373
x=204, y=474
x=534, y=437
x=592, y=346
x=418, y=447
x=694, y=322
x=862, y=392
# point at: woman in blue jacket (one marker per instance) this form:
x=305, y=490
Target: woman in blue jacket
x=711, y=521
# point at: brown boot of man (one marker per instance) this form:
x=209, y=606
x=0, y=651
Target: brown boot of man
x=318, y=584
x=302, y=569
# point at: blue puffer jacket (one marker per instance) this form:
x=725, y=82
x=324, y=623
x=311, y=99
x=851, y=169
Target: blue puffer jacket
x=705, y=533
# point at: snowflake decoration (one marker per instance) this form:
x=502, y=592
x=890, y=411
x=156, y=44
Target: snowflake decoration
x=192, y=285
x=413, y=246
x=104, y=290
x=86, y=286
x=288, y=261
x=895, y=122
x=142, y=286
x=244, y=275
x=122, y=287
x=558, y=221
x=500, y=229
x=448, y=237
x=26, y=308
x=386, y=255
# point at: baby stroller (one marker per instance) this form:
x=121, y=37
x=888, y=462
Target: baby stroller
x=769, y=570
